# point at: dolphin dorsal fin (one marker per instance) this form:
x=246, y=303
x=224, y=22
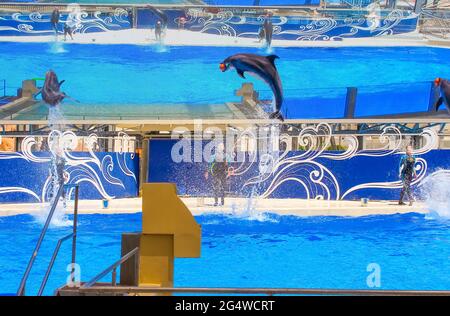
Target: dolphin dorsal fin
x=272, y=58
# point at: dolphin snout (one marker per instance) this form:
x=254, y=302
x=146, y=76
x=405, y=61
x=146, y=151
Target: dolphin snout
x=437, y=82
x=223, y=67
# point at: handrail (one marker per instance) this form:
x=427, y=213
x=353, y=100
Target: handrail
x=60, y=241
x=21, y=290
x=267, y=291
x=52, y=261
x=111, y=268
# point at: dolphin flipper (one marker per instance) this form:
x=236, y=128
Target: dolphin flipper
x=61, y=82
x=240, y=73
x=438, y=104
x=277, y=115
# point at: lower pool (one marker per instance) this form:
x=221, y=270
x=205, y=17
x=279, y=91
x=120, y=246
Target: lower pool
x=412, y=251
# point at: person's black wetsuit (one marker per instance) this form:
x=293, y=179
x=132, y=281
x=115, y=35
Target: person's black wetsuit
x=54, y=20
x=219, y=172
x=407, y=172
x=268, y=31
x=158, y=31
x=131, y=18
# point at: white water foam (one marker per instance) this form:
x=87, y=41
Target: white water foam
x=59, y=219
x=161, y=48
x=57, y=47
x=435, y=191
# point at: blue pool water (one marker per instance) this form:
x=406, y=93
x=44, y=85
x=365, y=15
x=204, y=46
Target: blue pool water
x=314, y=79
x=412, y=251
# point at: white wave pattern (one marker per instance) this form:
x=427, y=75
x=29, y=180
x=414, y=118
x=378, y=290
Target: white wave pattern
x=224, y=23
x=98, y=20
x=316, y=180
x=125, y=139
x=5, y=190
x=80, y=169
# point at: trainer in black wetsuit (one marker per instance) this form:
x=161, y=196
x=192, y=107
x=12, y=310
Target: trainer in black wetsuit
x=158, y=31
x=54, y=20
x=407, y=174
x=268, y=30
x=218, y=169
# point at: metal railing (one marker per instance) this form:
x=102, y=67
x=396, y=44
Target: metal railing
x=21, y=290
x=435, y=22
x=112, y=268
x=255, y=291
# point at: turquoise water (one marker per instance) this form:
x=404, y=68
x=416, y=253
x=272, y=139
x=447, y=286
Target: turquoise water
x=127, y=74
x=412, y=251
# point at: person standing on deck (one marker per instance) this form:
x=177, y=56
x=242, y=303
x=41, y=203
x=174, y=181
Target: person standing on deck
x=268, y=29
x=54, y=20
x=407, y=173
x=218, y=168
x=71, y=23
x=130, y=18
x=158, y=31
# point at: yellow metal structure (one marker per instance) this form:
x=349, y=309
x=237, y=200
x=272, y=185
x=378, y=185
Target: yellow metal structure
x=168, y=231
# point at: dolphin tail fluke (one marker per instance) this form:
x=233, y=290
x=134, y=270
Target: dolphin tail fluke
x=277, y=115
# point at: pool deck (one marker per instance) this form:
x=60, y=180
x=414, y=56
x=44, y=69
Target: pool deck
x=236, y=206
x=190, y=38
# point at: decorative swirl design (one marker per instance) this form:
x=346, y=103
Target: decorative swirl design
x=421, y=169
x=226, y=23
x=5, y=190
x=79, y=169
x=315, y=179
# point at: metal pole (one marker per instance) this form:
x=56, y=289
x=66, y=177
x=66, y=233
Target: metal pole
x=74, y=238
x=21, y=290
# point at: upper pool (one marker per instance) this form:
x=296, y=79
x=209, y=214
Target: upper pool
x=411, y=251
x=314, y=79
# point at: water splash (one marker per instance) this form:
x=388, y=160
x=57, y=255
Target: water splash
x=269, y=50
x=249, y=211
x=435, y=191
x=59, y=219
x=56, y=147
x=57, y=47
x=161, y=48
x=55, y=117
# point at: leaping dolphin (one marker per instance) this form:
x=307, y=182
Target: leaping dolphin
x=444, y=89
x=51, y=93
x=161, y=15
x=262, y=67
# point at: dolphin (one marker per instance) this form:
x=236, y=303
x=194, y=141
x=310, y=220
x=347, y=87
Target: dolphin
x=160, y=14
x=444, y=89
x=50, y=92
x=262, y=67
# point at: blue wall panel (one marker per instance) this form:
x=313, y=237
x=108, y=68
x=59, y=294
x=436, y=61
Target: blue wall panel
x=359, y=175
x=329, y=25
x=25, y=178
